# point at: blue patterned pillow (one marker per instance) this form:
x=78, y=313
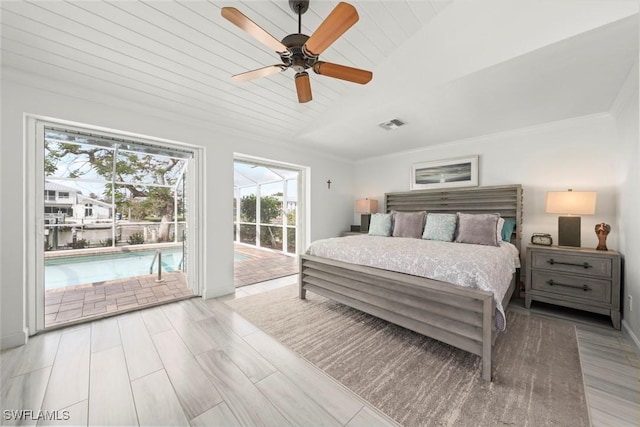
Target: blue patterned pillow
x=380, y=225
x=440, y=227
x=507, y=229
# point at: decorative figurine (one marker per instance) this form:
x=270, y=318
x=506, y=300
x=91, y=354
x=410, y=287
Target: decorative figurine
x=602, y=231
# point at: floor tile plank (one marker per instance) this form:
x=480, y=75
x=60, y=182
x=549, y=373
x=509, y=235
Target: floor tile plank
x=105, y=334
x=242, y=354
x=22, y=392
x=191, y=333
x=110, y=388
x=69, y=382
x=156, y=402
x=219, y=415
x=246, y=402
x=192, y=385
x=74, y=415
x=39, y=352
x=254, y=366
x=293, y=403
x=139, y=351
x=610, y=410
x=219, y=333
x=156, y=320
x=230, y=319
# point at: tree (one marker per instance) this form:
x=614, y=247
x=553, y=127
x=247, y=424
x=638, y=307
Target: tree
x=269, y=208
x=131, y=170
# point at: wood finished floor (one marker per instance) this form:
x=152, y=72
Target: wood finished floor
x=191, y=362
x=199, y=363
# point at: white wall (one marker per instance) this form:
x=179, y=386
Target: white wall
x=330, y=209
x=626, y=114
x=578, y=154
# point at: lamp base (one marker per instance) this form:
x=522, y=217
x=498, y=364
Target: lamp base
x=569, y=231
x=365, y=220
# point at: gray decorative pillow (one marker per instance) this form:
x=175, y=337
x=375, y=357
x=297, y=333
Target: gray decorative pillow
x=440, y=227
x=408, y=224
x=380, y=225
x=479, y=229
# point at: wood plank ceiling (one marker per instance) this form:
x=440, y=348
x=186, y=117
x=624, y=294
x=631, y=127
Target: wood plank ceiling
x=452, y=70
x=179, y=55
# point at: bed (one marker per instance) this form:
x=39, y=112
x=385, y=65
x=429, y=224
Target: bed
x=463, y=317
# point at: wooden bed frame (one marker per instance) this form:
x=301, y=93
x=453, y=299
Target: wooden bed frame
x=456, y=315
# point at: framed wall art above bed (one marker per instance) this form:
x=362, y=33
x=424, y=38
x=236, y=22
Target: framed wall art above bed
x=459, y=172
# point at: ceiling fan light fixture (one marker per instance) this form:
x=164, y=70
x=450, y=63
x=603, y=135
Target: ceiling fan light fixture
x=392, y=124
x=303, y=87
x=299, y=51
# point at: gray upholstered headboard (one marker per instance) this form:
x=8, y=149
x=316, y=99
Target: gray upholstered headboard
x=504, y=199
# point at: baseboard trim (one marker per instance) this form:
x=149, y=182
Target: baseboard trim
x=14, y=340
x=633, y=336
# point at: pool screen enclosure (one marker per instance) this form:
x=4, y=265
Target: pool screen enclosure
x=113, y=199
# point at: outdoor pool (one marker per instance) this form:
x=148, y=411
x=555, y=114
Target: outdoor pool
x=61, y=272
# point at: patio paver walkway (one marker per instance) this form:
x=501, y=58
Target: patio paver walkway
x=94, y=300
x=261, y=265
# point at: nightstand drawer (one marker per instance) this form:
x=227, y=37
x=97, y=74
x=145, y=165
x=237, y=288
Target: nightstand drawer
x=578, y=264
x=580, y=287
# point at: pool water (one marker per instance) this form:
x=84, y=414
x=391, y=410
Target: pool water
x=80, y=270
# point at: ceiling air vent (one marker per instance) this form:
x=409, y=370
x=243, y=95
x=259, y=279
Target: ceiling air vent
x=392, y=124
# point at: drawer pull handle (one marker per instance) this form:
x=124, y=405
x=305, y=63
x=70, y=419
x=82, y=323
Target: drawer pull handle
x=583, y=287
x=584, y=264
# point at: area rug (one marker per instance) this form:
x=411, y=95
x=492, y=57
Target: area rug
x=419, y=381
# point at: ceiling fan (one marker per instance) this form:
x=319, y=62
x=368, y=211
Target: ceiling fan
x=299, y=51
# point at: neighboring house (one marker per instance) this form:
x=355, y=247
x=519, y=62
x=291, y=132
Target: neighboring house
x=58, y=202
x=87, y=208
x=62, y=203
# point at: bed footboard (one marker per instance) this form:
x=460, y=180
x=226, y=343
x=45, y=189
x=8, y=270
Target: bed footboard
x=461, y=317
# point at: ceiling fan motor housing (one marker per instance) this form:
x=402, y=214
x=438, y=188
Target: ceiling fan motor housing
x=299, y=6
x=297, y=57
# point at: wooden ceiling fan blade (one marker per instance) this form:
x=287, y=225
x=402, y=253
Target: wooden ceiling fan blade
x=341, y=18
x=303, y=87
x=260, y=72
x=342, y=72
x=240, y=20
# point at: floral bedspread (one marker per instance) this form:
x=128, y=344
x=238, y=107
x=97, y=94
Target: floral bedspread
x=489, y=268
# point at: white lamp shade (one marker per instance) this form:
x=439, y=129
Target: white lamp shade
x=571, y=202
x=366, y=206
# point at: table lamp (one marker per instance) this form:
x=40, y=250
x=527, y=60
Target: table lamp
x=366, y=207
x=570, y=203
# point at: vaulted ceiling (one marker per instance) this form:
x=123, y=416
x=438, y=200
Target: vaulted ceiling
x=450, y=70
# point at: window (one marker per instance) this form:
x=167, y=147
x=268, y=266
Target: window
x=88, y=210
x=50, y=195
x=63, y=195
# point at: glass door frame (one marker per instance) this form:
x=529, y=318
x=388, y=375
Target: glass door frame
x=34, y=207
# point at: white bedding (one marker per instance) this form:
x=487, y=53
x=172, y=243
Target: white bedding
x=489, y=268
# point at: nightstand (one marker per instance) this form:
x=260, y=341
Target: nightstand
x=580, y=278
